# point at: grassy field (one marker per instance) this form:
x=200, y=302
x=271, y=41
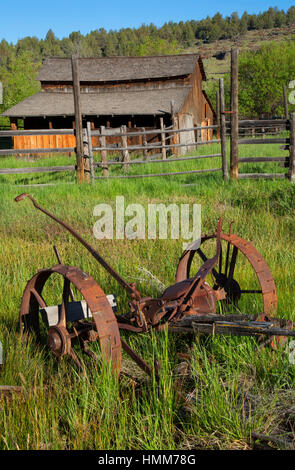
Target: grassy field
x=232, y=387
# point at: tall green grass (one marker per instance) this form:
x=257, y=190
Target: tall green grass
x=232, y=387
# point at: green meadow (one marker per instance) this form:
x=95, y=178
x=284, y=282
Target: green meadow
x=231, y=387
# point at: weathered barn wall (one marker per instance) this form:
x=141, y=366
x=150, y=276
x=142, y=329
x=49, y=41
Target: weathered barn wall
x=93, y=87
x=198, y=106
x=44, y=141
x=69, y=141
x=186, y=122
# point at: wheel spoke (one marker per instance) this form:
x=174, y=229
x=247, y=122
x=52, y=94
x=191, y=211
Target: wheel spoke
x=39, y=298
x=202, y=254
x=227, y=258
x=250, y=291
x=232, y=263
x=220, y=261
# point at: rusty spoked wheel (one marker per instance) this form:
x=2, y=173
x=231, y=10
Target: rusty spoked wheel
x=253, y=291
x=60, y=333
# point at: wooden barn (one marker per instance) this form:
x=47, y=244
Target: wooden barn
x=116, y=91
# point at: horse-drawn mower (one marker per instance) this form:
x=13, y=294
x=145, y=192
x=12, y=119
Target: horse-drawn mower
x=192, y=304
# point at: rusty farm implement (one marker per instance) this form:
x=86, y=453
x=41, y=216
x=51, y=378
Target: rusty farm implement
x=191, y=305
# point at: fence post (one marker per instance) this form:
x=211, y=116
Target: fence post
x=174, y=127
x=292, y=149
x=285, y=102
x=163, y=141
x=234, y=150
x=218, y=114
x=144, y=143
x=78, y=119
x=90, y=151
x=86, y=156
x=125, y=153
x=222, y=130
x=102, y=140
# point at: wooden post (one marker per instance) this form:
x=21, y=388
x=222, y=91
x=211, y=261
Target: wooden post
x=144, y=143
x=104, y=165
x=14, y=127
x=285, y=102
x=218, y=114
x=163, y=141
x=124, y=145
x=174, y=139
x=263, y=132
x=78, y=119
x=86, y=156
x=90, y=151
x=234, y=150
x=292, y=149
x=222, y=130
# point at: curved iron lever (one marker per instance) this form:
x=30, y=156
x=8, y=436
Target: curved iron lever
x=129, y=288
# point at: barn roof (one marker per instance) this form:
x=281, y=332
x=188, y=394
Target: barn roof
x=139, y=102
x=112, y=69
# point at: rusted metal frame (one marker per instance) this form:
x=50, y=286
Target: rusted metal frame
x=261, y=269
x=128, y=327
x=104, y=319
x=39, y=298
x=103, y=315
x=131, y=290
x=199, y=278
x=140, y=362
x=184, y=266
x=259, y=265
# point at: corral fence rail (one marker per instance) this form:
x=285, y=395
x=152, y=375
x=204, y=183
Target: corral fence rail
x=125, y=149
x=168, y=148
x=260, y=136
x=162, y=146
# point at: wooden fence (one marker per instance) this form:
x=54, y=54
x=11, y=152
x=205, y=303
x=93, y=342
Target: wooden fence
x=261, y=134
x=164, y=148
x=167, y=151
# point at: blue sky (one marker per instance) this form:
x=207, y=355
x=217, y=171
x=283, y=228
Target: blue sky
x=34, y=18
